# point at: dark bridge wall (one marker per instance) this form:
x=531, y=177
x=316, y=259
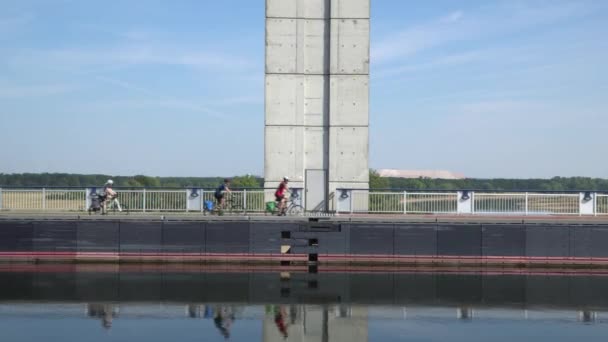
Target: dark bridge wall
x=337, y=242
x=429, y=289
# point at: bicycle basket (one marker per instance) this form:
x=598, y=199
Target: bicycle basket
x=208, y=205
x=271, y=206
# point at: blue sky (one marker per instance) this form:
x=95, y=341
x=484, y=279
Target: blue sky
x=175, y=88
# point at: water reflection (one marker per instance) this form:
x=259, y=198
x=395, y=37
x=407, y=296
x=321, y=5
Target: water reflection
x=105, y=312
x=337, y=307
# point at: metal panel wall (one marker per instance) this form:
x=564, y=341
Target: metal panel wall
x=266, y=237
x=140, y=237
x=589, y=241
x=55, y=236
x=98, y=236
x=547, y=241
x=372, y=239
x=183, y=237
x=227, y=237
x=459, y=240
x=418, y=240
x=503, y=240
x=16, y=236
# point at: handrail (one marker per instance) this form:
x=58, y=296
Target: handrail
x=342, y=201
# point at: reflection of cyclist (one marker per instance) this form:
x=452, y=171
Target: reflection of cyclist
x=223, y=320
x=279, y=320
x=280, y=195
x=221, y=191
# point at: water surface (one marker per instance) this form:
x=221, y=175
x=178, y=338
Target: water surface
x=61, y=303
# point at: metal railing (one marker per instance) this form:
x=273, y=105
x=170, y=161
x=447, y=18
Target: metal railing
x=133, y=200
x=43, y=199
x=471, y=202
x=601, y=205
x=343, y=201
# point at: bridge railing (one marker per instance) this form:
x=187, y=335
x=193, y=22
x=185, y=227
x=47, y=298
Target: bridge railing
x=344, y=201
x=133, y=200
x=471, y=202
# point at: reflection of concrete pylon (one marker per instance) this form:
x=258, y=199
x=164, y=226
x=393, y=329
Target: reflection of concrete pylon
x=587, y=316
x=312, y=323
x=106, y=312
x=465, y=313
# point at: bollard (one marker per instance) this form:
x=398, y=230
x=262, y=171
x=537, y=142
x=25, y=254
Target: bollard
x=586, y=203
x=465, y=202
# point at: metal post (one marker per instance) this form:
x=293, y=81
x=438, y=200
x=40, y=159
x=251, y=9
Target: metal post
x=202, y=201
x=245, y=200
x=526, y=204
x=405, y=203
x=594, y=203
x=352, y=202
x=43, y=198
x=473, y=202
x=86, y=202
x=187, y=197
x=144, y=205
x=0, y=198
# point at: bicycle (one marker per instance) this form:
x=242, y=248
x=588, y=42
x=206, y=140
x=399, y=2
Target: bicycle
x=291, y=207
x=113, y=206
x=231, y=205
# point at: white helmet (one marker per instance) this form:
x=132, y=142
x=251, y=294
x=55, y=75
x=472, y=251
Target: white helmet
x=110, y=182
x=286, y=179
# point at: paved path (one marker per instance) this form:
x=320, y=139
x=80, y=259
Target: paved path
x=376, y=218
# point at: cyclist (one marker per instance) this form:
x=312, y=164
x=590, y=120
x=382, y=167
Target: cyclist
x=280, y=195
x=110, y=196
x=221, y=191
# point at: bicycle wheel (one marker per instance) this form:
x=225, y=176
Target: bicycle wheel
x=296, y=210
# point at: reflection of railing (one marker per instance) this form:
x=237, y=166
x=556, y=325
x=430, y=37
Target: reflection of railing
x=471, y=202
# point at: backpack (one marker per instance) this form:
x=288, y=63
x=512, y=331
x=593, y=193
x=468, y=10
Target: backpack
x=218, y=191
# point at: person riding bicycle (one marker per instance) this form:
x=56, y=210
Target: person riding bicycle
x=221, y=191
x=280, y=195
x=110, y=196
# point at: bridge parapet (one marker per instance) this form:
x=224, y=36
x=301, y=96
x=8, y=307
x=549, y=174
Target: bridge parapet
x=465, y=202
x=345, y=201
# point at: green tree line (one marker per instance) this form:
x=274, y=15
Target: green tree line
x=497, y=184
x=78, y=180
x=376, y=182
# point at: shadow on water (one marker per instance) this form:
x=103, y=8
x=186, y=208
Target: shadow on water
x=199, y=284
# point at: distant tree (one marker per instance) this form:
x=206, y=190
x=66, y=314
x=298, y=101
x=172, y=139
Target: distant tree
x=246, y=182
x=377, y=182
x=147, y=181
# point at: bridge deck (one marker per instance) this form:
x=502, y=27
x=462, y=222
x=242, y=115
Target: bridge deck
x=368, y=218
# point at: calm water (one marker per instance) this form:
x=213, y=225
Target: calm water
x=60, y=303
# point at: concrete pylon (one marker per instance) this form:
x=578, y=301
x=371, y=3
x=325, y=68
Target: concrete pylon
x=317, y=96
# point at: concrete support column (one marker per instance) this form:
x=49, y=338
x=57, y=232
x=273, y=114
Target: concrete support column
x=317, y=76
x=349, y=95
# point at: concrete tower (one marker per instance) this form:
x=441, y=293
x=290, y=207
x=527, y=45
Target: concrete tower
x=317, y=96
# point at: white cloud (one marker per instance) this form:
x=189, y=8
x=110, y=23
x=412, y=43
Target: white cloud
x=35, y=90
x=454, y=16
x=143, y=54
x=158, y=100
x=12, y=24
x=487, y=22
